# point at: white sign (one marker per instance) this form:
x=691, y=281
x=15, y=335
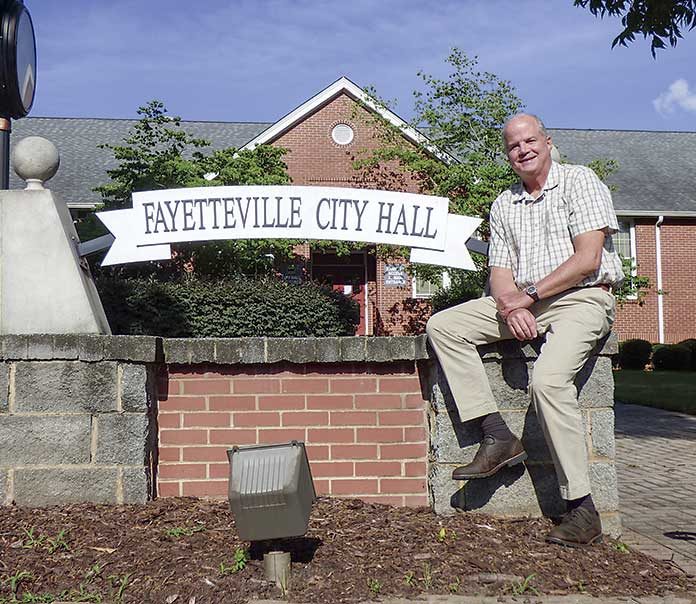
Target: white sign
x=160, y=218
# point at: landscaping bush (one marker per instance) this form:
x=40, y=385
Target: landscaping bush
x=691, y=345
x=634, y=354
x=239, y=308
x=672, y=357
x=464, y=286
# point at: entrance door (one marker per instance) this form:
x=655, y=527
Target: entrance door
x=345, y=274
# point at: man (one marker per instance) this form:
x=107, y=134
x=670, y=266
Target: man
x=552, y=269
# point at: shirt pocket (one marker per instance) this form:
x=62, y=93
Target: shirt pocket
x=557, y=219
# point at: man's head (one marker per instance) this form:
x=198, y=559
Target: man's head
x=527, y=146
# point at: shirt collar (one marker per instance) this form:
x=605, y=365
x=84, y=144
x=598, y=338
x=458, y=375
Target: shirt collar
x=552, y=181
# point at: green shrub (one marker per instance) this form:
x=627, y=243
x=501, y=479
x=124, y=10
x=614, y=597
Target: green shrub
x=239, y=308
x=634, y=354
x=672, y=357
x=691, y=345
x=465, y=286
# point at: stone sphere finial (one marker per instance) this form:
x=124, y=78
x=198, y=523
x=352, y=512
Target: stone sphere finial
x=35, y=161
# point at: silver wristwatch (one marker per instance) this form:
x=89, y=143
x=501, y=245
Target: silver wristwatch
x=531, y=291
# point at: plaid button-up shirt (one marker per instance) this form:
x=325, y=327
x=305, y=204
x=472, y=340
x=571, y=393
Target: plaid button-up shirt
x=532, y=237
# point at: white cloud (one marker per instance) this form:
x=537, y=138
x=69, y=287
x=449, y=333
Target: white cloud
x=677, y=95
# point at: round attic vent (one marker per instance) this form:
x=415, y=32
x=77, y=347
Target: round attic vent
x=342, y=134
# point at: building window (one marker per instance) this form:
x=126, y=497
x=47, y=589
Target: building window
x=625, y=245
x=342, y=134
x=424, y=288
x=624, y=240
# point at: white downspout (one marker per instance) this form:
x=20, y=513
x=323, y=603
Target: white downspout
x=658, y=261
x=368, y=327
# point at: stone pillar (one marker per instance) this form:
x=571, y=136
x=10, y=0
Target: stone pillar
x=77, y=419
x=45, y=287
x=530, y=489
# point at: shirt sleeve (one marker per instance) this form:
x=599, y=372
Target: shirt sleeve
x=498, y=250
x=591, y=208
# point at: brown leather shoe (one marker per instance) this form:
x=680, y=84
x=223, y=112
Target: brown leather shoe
x=578, y=528
x=492, y=456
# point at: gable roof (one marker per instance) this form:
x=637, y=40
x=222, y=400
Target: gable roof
x=656, y=170
x=345, y=86
x=654, y=175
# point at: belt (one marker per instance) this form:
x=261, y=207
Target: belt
x=604, y=286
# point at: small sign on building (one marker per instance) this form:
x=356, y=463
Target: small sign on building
x=395, y=275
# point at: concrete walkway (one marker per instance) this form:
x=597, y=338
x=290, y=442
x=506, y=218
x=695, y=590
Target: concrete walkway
x=656, y=466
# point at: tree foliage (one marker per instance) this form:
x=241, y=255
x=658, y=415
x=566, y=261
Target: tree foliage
x=159, y=154
x=462, y=115
x=659, y=20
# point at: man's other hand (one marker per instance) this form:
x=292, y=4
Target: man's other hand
x=522, y=324
x=510, y=301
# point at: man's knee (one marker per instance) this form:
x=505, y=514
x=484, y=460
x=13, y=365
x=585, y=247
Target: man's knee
x=547, y=385
x=441, y=324
x=435, y=326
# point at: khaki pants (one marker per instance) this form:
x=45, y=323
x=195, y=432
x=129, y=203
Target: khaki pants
x=573, y=322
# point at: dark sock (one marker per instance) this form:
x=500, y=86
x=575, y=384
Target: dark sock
x=494, y=425
x=581, y=502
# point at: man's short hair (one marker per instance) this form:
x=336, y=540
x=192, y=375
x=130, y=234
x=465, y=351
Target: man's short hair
x=536, y=118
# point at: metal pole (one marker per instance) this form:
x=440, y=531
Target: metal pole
x=5, y=129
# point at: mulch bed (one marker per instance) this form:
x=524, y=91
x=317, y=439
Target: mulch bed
x=171, y=551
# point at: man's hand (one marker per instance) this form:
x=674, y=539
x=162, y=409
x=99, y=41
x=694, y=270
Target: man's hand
x=522, y=324
x=513, y=300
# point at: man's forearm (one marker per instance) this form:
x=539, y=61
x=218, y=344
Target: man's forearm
x=501, y=282
x=583, y=263
x=567, y=275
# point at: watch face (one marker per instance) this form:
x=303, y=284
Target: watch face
x=26, y=60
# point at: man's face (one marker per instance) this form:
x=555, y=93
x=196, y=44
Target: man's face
x=528, y=150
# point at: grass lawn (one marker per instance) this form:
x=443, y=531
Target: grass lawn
x=671, y=390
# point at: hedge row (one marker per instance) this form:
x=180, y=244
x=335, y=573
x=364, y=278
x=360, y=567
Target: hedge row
x=240, y=308
x=637, y=353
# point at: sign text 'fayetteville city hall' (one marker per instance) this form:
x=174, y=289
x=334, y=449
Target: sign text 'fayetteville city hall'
x=160, y=218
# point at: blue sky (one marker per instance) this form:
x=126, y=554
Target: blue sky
x=256, y=60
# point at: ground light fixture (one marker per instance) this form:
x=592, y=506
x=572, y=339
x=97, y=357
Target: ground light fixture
x=271, y=495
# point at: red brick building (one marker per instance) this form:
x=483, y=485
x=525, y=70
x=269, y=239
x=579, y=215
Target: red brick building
x=653, y=196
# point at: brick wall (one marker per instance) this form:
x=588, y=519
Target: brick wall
x=634, y=320
x=82, y=418
x=364, y=426
x=678, y=239
x=315, y=159
x=678, y=242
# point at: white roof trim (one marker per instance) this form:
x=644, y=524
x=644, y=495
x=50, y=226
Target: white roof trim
x=666, y=213
x=343, y=84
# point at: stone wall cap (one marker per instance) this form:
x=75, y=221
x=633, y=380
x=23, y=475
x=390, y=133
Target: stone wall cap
x=228, y=351
x=83, y=347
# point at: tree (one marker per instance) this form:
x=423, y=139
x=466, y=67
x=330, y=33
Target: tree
x=462, y=115
x=159, y=154
x=658, y=20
